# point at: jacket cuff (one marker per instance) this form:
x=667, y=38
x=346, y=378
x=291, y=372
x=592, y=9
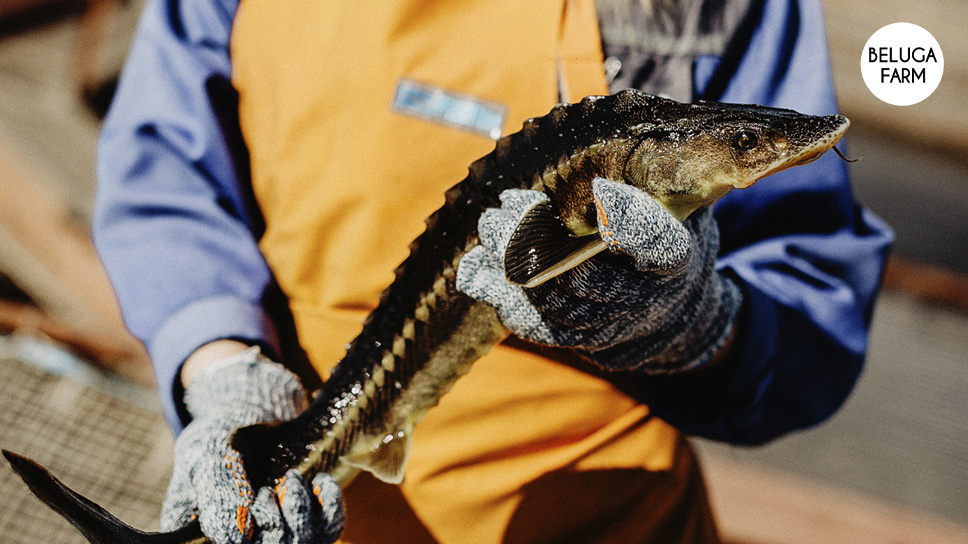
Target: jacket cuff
x=204, y=321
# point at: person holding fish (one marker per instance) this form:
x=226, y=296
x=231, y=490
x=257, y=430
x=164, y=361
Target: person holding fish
x=265, y=165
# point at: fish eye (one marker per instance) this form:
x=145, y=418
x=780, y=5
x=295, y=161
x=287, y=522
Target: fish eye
x=745, y=139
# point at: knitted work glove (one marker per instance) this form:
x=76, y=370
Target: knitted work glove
x=209, y=480
x=652, y=303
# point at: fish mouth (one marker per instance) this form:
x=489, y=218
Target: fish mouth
x=810, y=157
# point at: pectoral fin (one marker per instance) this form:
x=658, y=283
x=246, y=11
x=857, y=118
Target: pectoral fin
x=383, y=456
x=542, y=247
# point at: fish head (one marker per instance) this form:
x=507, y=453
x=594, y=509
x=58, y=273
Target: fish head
x=709, y=149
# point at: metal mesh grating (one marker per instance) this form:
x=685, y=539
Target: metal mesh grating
x=113, y=451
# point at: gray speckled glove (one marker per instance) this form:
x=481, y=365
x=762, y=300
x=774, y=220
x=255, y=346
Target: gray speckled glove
x=209, y=480
x=653, y=302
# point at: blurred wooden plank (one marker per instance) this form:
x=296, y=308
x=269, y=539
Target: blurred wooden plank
x=940, y=122
x=27, y=319
x=927, y=282
x=48, y=255
x=43, y=122
x=17, y=12
x=758, y=505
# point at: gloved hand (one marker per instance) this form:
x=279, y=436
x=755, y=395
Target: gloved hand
x=653, y=302
x=209, y=480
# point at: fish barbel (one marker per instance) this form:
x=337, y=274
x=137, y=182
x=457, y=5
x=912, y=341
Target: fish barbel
x=424, y=333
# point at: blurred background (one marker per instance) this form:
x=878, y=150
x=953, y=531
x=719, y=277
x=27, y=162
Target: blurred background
x=76, y=391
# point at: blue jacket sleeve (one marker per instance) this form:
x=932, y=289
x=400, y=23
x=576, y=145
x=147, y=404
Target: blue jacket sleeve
x=171, y=222
x=807, y=258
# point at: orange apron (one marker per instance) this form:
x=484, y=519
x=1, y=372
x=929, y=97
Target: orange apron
x=524, y=447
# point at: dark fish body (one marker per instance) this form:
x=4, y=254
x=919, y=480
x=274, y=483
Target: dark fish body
x=424, y=333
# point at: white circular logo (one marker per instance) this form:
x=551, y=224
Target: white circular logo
x=902, y=64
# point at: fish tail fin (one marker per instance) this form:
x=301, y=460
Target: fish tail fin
x=96, y=524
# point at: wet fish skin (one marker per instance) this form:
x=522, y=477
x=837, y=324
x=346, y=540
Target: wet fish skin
x=424, y=334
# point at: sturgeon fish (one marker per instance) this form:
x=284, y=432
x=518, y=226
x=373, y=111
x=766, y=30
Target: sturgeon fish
x=424, y=333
